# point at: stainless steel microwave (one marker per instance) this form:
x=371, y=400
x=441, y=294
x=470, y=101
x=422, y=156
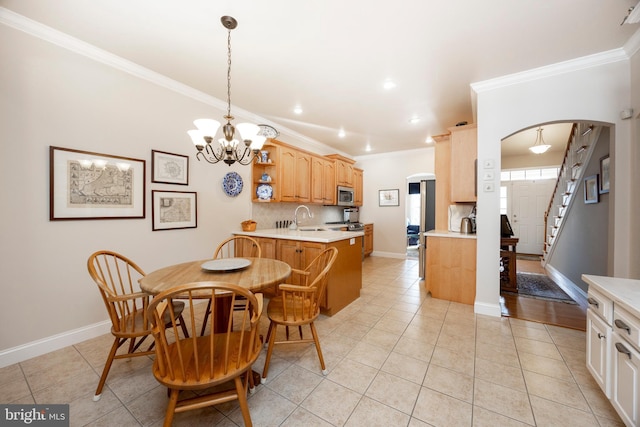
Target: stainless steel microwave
x=345, y=196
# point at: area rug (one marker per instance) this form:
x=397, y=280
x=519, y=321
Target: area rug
x=540, y=286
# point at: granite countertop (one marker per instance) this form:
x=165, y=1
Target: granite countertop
x=447, y=233
x=309, y=233
x=624, y=292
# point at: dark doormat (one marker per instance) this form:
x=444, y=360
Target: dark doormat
x=540, y=286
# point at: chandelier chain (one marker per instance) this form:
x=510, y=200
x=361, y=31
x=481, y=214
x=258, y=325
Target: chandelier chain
x=229, y=117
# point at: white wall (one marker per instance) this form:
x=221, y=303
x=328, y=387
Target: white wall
x=384, y=172
x=53, y=96
x=596, y=93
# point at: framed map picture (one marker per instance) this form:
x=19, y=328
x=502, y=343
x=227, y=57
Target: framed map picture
x=174, y=209
x=169, y=168
x=86, y=185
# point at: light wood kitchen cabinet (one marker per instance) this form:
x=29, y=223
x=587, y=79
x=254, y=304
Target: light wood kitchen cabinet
x=368, y=239
x=329, y=188
x=344, y=170
x=443, y=181
x=317, y=182
x=270, y=169
x=300, y=176
x=267, y=246
x=345, y=277
x=295, y=175
x=451, y=268
x=358, y=178
x=298, y=254
x=464, y=154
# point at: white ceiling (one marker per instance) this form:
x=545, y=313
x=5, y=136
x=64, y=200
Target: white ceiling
x=331, y=57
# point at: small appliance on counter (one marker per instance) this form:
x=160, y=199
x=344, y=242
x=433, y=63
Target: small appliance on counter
x=456, y=214
x=466, y=225
x=351, y=215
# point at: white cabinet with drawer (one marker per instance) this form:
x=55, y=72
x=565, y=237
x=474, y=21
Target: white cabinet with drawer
x=613, y=342
x=599, y=335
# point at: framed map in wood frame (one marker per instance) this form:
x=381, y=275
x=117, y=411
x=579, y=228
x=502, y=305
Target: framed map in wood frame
x=169, y=168
x=88, y=185
x=174, y=209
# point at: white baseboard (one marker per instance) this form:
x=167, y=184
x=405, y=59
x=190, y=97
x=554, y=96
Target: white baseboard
x=573, y=290
x=52, y=343
x=487, y=309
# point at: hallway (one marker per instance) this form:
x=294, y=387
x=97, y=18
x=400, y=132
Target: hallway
x=536, y=310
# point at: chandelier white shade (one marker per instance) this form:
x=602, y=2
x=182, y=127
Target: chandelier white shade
x=228, y=148
x=539, y=146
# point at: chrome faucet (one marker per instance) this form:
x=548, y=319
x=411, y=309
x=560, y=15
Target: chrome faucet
x=294, y=225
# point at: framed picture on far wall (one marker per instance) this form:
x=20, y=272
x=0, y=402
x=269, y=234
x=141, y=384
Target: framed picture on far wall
x=87, y=185
x=591, y=189
x=604, y=174
x=169, y=168
x=389, y=197
x=174, y=209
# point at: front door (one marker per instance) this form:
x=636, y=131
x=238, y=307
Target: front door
x=529, y=201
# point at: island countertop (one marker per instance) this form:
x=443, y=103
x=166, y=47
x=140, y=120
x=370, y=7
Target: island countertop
x=311, y=233
x=623, y=292
x=447, y=233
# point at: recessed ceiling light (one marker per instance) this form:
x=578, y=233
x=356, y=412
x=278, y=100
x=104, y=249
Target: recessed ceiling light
x=297, y=109
x=341, y=133
x=389, y=84
x=429, y=140
x=367, y=148
x=413, y=120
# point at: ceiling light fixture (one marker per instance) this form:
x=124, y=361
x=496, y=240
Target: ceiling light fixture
x=297, y=109
x=388, y=84
x=539, y=146
x=229, y=149
x=414, y=120
x=341, y=133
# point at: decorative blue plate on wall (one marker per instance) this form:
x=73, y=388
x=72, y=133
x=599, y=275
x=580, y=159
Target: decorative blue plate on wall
x=232, y=184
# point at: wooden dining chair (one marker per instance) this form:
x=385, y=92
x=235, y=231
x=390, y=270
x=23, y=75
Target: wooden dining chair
x=299, y=305
x=117, y=277
x=198, y=363
x=228, y=249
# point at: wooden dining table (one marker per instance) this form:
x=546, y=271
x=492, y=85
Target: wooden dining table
x=260, y=274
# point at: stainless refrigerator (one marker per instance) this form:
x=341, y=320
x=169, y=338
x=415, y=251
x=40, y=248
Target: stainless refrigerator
x=427, y=220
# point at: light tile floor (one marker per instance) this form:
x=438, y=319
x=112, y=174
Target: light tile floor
x=396, y=357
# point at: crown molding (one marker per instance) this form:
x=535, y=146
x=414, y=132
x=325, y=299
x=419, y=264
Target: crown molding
x=590, y=61
x=51, y=35
x=632, y=46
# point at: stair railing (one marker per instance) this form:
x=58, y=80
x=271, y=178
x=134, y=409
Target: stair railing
x=580, y=145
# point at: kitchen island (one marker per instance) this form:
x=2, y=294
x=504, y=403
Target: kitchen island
x=451, y=266
x=299, y=247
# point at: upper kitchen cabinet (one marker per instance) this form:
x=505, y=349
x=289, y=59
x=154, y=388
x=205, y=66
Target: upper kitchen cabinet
x=464, y=154
x=323, y=181
x=358, y=177
x=329, y=192
x=265, y=176
x=295, y=175
x=344, y=170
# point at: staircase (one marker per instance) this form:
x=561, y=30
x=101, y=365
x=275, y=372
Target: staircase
x=580, y=146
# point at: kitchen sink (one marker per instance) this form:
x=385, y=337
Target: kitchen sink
x=312, y=229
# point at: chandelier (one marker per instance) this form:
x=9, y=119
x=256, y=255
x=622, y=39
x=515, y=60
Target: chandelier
x=229, y=149
x=539, y=146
